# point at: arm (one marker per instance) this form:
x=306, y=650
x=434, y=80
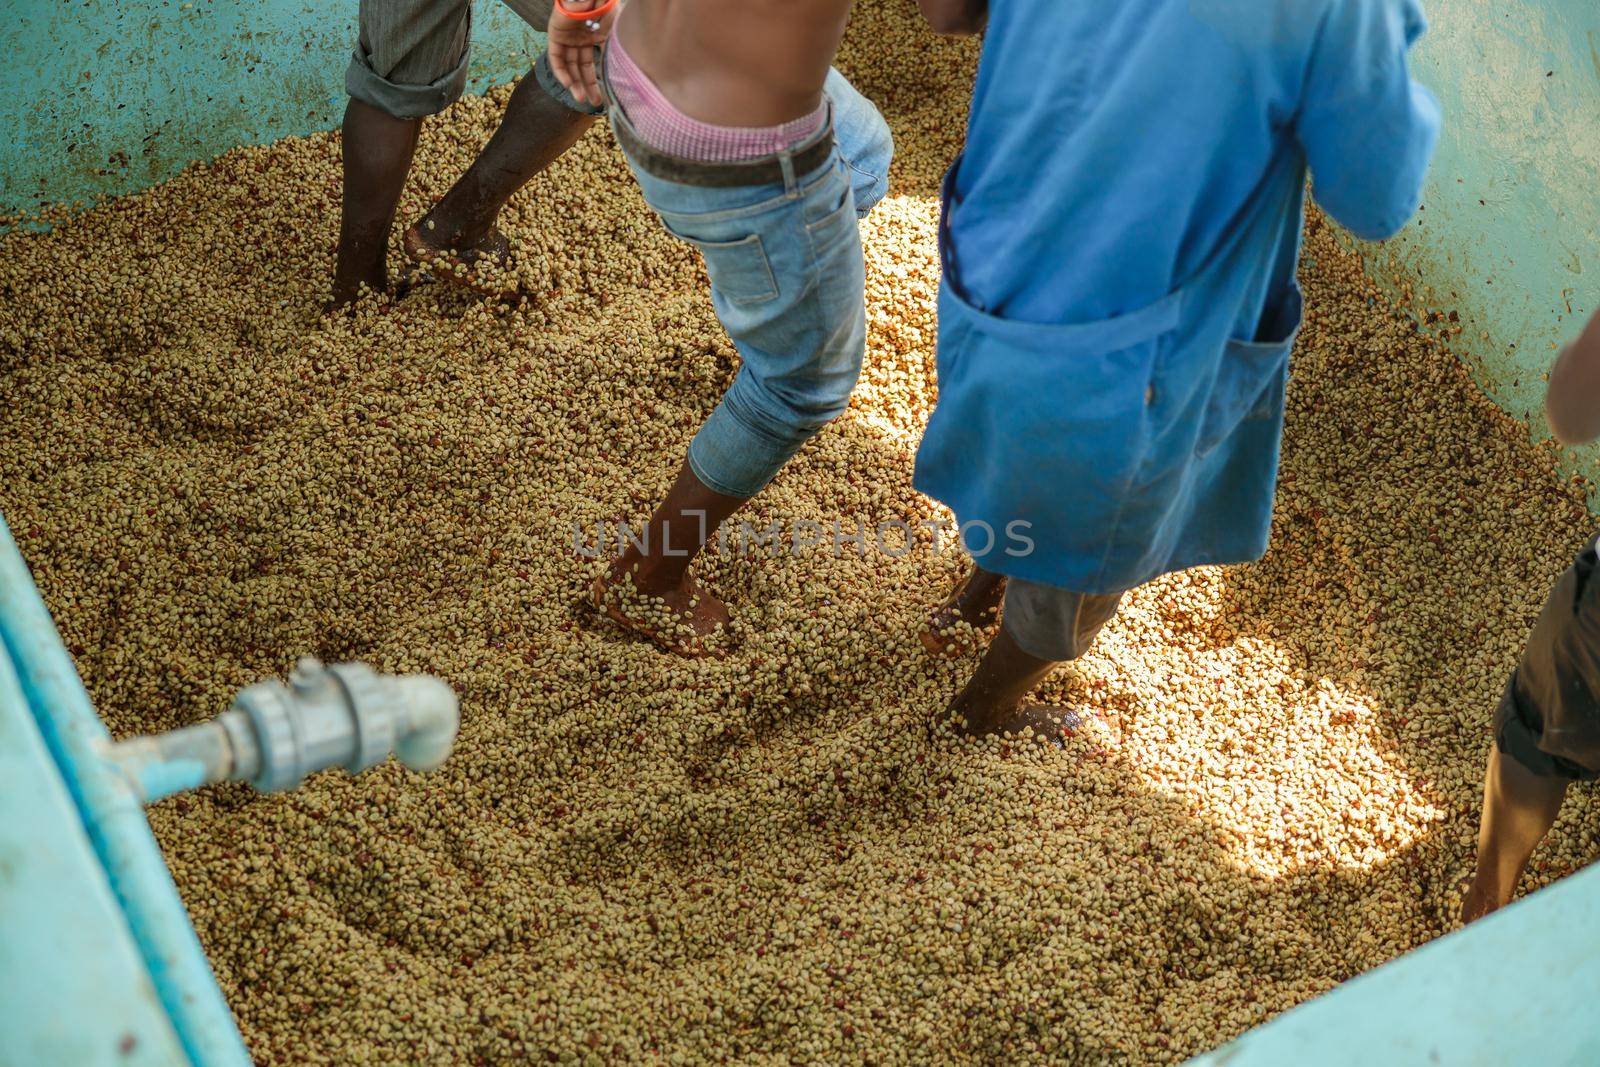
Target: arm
x=1367, y=129
x=955, y=16
x=1572, y=399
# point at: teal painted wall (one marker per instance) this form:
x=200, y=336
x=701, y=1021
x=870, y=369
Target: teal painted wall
x=77, y=989
x=103, y=98
x=1511, y=220
x=109, y=96
x=80, y=931
x=1516, y=989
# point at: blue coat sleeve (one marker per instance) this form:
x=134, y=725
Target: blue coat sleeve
x=1368, y=130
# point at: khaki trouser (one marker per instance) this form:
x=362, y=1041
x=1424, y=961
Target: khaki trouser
x=412, y=56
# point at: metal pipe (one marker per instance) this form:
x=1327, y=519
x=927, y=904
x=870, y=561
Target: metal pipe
x=174, y=762
x=434, y=718
x=275, y=734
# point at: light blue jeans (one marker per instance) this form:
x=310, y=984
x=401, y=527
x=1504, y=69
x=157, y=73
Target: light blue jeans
x=788, y=283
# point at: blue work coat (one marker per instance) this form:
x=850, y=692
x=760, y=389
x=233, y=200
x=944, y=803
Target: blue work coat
x=1119, y=241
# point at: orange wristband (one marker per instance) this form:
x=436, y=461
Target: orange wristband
x=592, y=15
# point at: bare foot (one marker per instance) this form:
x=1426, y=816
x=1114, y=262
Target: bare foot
x=343, y=297
x=688, y=620
x=344, y=300
x=1477, y=901
x=483, y=266
x=953, y=627
x=1046, y=724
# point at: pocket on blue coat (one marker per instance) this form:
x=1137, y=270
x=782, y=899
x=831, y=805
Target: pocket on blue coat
x=1046, y=426
x=1251, y=374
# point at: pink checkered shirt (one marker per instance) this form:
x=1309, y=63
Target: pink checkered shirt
x=666, y=129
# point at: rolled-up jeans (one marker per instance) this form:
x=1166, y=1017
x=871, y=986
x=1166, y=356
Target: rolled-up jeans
x=787, y=279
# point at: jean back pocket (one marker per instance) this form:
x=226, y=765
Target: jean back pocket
x=739, y=270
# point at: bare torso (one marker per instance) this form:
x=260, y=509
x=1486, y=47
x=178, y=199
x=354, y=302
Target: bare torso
x=736, y=62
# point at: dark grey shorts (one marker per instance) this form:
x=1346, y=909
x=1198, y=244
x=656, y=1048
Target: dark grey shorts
x=1054, y=624
x=1549, y=718
x=412, y=56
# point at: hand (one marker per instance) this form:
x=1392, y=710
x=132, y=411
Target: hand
x=571, y=47
x=1572, y=399
x=958, y=17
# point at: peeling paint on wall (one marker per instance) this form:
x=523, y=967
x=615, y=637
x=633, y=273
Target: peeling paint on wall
x=107, y=97
x=1510, y=217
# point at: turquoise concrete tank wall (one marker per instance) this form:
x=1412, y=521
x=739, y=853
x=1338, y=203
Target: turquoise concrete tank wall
x=78, y=989
x=106, y=97
x=109, y=96
x=1511, y=220
x=98, y=961
x=1516, y=989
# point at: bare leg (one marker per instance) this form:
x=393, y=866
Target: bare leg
x=993, y=696
x=995, y=703
x=995, y=700
x=534, y=133
x=975, y=602
x=1519, y=807
x=377, y=155
x=675, y=535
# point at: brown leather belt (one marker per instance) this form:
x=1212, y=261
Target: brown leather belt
x=767, y=170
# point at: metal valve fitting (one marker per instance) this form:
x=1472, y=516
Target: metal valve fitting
x=275, y=734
